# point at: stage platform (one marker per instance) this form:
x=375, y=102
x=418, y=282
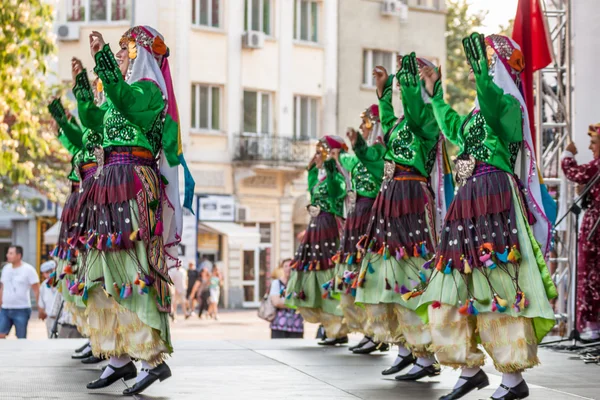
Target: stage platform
x=281, y=369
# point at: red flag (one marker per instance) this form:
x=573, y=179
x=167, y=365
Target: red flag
x=530, y=33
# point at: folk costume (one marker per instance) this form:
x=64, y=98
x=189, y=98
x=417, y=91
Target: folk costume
x=490, y=283
x=401, y=235
x=588, y=263
x=129, y=217
x=359, y=200
x=75, y=139
x=313, y=269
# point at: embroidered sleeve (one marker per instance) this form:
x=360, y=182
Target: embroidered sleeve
x=107, y=67
x=579, y=173
x=82, y=89
x=336, y=185
x=449, y=121
x=370, y=156
x=386, y=108
x=502, y=112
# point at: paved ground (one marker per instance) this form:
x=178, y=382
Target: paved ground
x=233, y=359
x=264, y=369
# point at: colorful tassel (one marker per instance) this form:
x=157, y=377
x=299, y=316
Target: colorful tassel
x=119, y=239
x=424, y=251
x=406, y=296
x=471, y=309
x=133, y=235
x=515, y=255
x=464, y=310
x=127, y=291
x=436, y=304
x=466, y=266
x=90, y=240
x=85, y=293
x=396, y=288
x=422, y=276
x=100, y=244
x=362, y=239
x=371, y=245
x=415, y=251
x=398, y=255
x=62, y=276
x=318, y=266
x=122, y=291
x=448, y=268
x=501, y=301
x=116, y=286
x=351, y=259
x=440, y=264
x=370, y=268
x=404, y=289
x=503, y=257
x=387, y=285
x=109, y=241
x=68, y=270
x=55, y=252
x=427, y=264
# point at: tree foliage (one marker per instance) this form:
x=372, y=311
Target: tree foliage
x=460, y=22
x=30, y=154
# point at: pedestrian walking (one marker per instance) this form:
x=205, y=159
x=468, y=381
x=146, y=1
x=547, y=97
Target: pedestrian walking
x=17, y=281
x=47, y=295
x=178, y=291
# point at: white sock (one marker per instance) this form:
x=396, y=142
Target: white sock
x=510, y=380
x=141, y=373
x=403, y=351
x=364, y=341
x=369, y=345
x=87, y=348
x=424, y=361
x=466, y=372
x=116, y=362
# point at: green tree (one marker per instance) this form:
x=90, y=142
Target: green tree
x=460, y=22
x=29, y=152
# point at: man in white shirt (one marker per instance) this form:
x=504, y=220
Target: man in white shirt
x=17, y=280
x=47, y=295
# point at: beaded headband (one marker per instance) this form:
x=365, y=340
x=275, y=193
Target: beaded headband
x=502, y=48
x=594, y=130
x=140, y=36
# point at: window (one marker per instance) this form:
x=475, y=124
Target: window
x=265, y=232
x=98, y=10
x=206, y=12
x=206, y=107
x=306, y=120
x=258, y=16
x=373, y=58
x=257, y=112
x=306, y=20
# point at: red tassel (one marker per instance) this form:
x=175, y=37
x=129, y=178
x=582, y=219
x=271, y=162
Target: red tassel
x=68, y=270
x=464, y=310
x=387, y=285
x=415, y=251
x=158, y=229
x=380, y=252
x=440, y=263
x=436, y=304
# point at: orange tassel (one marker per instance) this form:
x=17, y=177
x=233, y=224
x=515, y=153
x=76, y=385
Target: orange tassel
x=464, y=310
x=380, y=252
x=415, y=251
x=440, y=263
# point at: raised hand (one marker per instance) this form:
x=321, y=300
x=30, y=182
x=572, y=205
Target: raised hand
x=475, y=51
x=96, y=42
x=57, y=110
x=76, y=67
x=352, y=136
x=408, y=75
x=571, y=148
x=335, y=154
x=381, y=76
x=430, y=76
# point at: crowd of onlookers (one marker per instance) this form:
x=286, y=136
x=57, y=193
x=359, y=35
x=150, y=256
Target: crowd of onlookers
x=196, y=289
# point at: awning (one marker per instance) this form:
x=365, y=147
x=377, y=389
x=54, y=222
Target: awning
x=236, y=233
x=51, y=235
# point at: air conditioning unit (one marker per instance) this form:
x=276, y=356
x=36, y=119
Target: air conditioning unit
x=241, y=214
x=253, y=40
x=394, y=8
x=42, y=207
x=68, y=32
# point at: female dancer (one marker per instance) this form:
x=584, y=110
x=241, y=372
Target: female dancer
x=401, y=233
x=123, y=214
x=588, y=264
x=360, y=198
x=490, y=279
x=312, y=269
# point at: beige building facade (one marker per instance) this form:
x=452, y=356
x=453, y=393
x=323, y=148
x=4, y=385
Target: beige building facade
x=257, y=82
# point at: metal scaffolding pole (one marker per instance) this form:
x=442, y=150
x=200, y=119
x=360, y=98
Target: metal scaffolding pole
x=553, y=88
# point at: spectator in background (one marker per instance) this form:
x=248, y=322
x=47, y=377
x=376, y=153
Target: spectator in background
x=287, y=324
x=17, y=281
x=178, y=291
x=47, y=295
x=214, y=290
x=206, y=264
x=192, y=275
x=201, y=290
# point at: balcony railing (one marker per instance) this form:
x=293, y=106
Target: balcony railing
x=272, y=150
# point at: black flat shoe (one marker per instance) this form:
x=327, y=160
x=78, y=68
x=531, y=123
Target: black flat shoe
x=160, y=372
x=92, y=360
x=394, y=369
x=81, y=356
x=333, y=342
x=360, y=344
x=477, y=381
x=82, y=348
x=370, y=349
x=126, y=372
x=518, y=392
x=424, y=372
